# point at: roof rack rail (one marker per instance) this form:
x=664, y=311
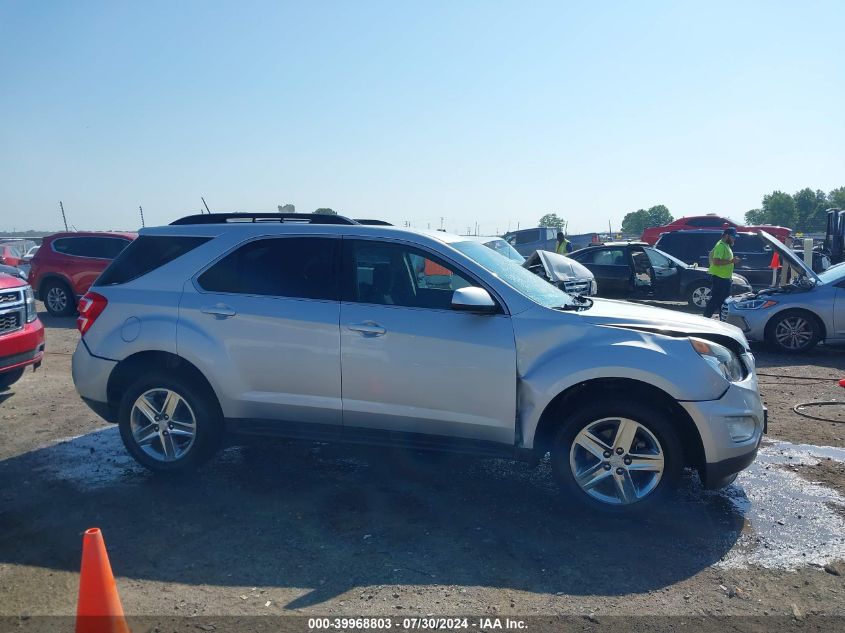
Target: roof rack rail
x=372, y=222
x=293, y=218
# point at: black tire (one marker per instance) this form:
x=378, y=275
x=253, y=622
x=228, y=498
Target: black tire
x=208, y=422
x=659, y=426
x=8, y=378
x=58, y=298
x=808, y=331
x=695, y=291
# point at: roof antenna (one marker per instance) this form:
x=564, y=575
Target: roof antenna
x=206, y=206
x=141, y=209
x=64, y=219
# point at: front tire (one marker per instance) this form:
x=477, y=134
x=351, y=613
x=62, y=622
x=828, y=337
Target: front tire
x=699, y=295
x=58, y=298
x=9, y=378
x=794, y=331
x=618, y=456
x=168, y=423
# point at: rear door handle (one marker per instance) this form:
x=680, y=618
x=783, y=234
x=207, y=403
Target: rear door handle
x=220, y=310
x=367, y=328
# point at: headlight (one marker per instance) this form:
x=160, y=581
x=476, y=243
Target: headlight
x=594, y=287
x=29, y=298
x=754, y=304
x=719, y=358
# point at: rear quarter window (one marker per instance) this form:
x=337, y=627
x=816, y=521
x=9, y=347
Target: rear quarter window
x=145, y=254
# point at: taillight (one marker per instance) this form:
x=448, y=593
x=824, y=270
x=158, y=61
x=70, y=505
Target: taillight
x=90, y=307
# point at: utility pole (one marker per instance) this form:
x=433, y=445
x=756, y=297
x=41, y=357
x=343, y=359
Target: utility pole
x=64, y=219
x=141, y=209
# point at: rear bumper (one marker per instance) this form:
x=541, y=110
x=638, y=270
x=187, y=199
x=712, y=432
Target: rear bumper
x=22, y=348
x=102, y=409
x=91, y=378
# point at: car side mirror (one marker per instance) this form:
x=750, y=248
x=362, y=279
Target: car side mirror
x=473, y=299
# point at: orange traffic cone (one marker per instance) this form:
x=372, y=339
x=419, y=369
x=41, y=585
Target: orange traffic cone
x=98, y=609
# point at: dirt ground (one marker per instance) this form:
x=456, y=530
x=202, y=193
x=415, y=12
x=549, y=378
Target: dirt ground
x=277, y=528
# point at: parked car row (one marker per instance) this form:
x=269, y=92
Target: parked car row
x=693, y=248
x=636, y=270
x=710, y=222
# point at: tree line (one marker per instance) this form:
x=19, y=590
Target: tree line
x=804, y=211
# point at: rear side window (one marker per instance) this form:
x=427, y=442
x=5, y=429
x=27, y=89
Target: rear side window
x=706, y=222
x=749, y=244
x=144, y=255
x=527, y=237
x=606, y=257
x=97, y=247
x=299, y=267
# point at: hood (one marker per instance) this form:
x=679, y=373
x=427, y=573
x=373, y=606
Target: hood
x=10, y=280
x=789, y=255
x=558, y=268
x=634, y=316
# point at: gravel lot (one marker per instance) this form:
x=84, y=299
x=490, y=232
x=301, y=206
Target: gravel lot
x=278, y=528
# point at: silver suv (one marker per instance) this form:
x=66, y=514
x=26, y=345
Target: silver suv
x=324, y=329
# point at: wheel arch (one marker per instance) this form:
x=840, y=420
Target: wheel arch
x=603, y=388
x=137, y=364
x=767, y=331
x=54, y=277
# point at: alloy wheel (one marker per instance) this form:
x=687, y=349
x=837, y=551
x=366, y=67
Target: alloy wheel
x=57, y=299
x=794, y=332
x=163, y=425
x=701, y=296
x=616, y=461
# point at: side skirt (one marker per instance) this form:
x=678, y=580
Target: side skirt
x=373, y=437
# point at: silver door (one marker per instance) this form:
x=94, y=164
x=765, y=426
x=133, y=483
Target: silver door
x=269, y=356
x=411, y=363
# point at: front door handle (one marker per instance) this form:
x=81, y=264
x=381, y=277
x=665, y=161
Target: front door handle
x=219, y=310
x=368, y=328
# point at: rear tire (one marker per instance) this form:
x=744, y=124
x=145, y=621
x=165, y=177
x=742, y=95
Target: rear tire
x=58, y=298
x=8, y=378
x=794, y=331
x=618, y=456
x=168, y=423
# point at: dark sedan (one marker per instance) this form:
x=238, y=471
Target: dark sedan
x=637, y=270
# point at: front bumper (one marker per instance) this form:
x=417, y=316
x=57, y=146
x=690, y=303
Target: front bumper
x=751, y=322
x=23, y=347
x=724, y=456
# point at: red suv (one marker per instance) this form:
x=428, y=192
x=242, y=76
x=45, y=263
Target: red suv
x=652, y=234
x=68, y=263
x=21, y=333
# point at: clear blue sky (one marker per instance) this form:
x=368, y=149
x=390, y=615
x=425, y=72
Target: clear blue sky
x=490, y=112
